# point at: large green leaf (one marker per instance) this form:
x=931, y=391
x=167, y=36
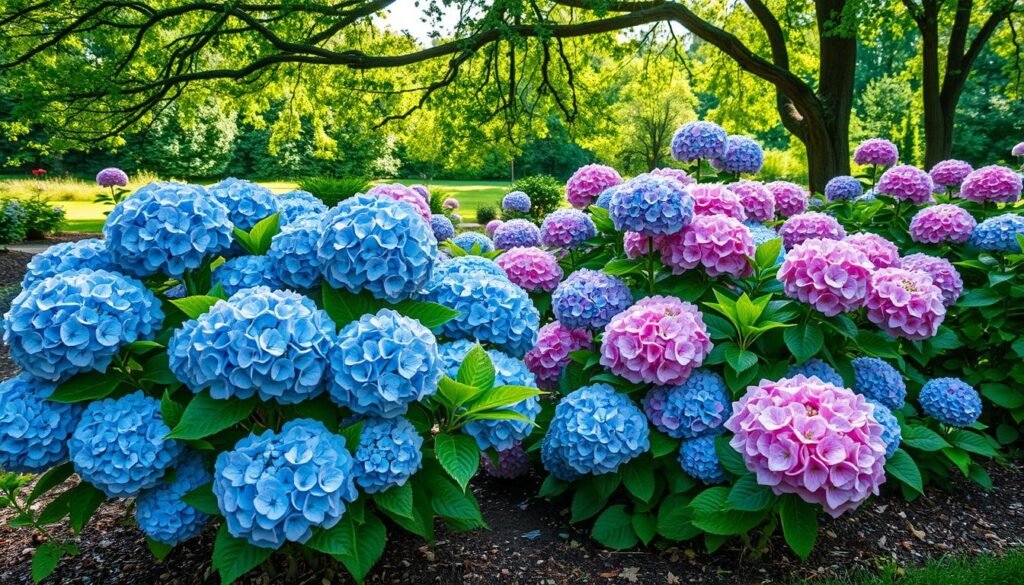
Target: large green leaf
x=205, y=416
x=476, y=369
x=973, y=443
x=202, y=499
x=87, y=387
x=431, y=315
x=922, y=438
x=799, y=524
x=451, y=502
x=263, y=232
x=674, y=518
x=501, y=396
x=195, y=305
x=397, y=500
x=51, y=479
x=455, y=392
x=234, y=557
x=614, y=528
x=729, y=458
x=44, y=561
x=804, y=341
x=902, y=467
x=459, y=455
x=638, y=477
x=369, y=540
x=749, y=496
x=344, y=307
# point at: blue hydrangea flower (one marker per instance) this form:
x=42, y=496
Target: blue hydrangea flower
x=516, y=201
x=90, y=253
x=295, y=204
x=247, y=202
x=463, y=266
x=442, y=227
x=491, y=309
x=699, y=140
x=77, y=322
x=891, y=433
x=378, y=245
x=761, y=233
x=508, y=371
x=382, y=363
x=274, y=488
x=696, y=407
x=468, y=240
x=817, y=367
x=869, y=195
x=166, y=228
x=595, y=430
x=271, y=343
x=605, y=198
x=160, y=511
x=33, y=430
x=246, y=272
x=388, y=454
x=843, y=188
x=119, y=445
x=699, y=459
x=879, y=381
x=742, y=155
x=293, y=254
x=650, y=205
x=516, y=233
x=588, y=299
x=998, y=234
x=951, y=401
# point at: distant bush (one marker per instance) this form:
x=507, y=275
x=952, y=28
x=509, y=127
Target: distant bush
x=41, y=218
x=783, y=165
x=546, y=194
x=486, y=213
x=12, y=221
x=332, y=190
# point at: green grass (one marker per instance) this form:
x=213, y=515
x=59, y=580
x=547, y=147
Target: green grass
x=1007, y=570
x=471, y=194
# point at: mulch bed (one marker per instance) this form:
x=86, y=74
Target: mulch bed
x=530, y=541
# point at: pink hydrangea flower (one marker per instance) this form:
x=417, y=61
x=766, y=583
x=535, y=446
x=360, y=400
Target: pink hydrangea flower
x=719, y=243
x=812, y=224
x=550, y=355
x=943, y=274
x=588, y=182
x=950, y=173
x=531, y=269
x=880, y=252
x=659, y=340
x=400, y=192
x=716, y=199
x=830, y=275
x=638, y=245
x=451, y=203
x=807, y=437
x=1018, y=150
x=942, y=223
x=906, y=183
x=876, y=152
x=790, y=198
x=992, y=183
x=905, y=303
x=677, y=174
x=492, y=225
x=757, y=201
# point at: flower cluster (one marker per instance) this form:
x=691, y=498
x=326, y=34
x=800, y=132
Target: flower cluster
x=942, y=223
x=951, y=401
x=516, y=201
x=567, y=229
x=247, y=202
x=906, y=183
x=876, y=152
x=698, y=458
x=422, y=191
x=90, y=253
x=246, y=272
x=716, y=199
x=491, y=309
x=879, y=381
x=119, y=445
x=112, y=177
x=383, y=363
x=293, y=254
x=678, y=174
x=696, y=407
x=442, y=227
x=508, y=464
x=588, y=299
x=905, y=304
x=651, y=206
x=757, y=201
x=943, y=274
x=949, y=174
x=532, y=269
x=812, y=224
x=399, y=192
x=999, y=233
x=388, y=454
x=790, y=198
x=469, y=240
x=548, y=358
x=699, y=140
x=761, y=234
x=77, y=322
x=378, y=245
x=271, y=343
x=595, y=430
x=719, y=243
x=843, y=188
x=464, y=265
x=161, y=512
x=33, y=430
x=831, y=276
x=274, y=488
x=516, y=233
x=451, y=203
x=638, y=245
x=992, y=183
x=892, y=435
x=880, y=252
x=588, y=182
x=742, y=155
x=296, y=204
x=492, y=226
x=659, y=340
x=817, y=440
x=166, y=228
x=818, y=369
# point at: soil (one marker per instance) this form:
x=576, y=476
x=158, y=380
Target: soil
x=531, y=541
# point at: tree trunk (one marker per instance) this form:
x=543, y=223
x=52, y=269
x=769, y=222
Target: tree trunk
x=938, y=131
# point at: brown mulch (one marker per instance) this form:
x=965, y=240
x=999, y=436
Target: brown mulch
x=12, y=266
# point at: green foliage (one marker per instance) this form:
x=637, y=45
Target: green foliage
x=486, y=213
x=41, y=218
x=332, y=190
x=546, y=194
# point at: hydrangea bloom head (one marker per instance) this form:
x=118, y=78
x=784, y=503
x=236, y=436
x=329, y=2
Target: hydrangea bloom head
x=451, y=203
x=699, y=140
x=399, y=192
x=694, y=408
x=843, y=188
x=998, y=234
x=119, y=445
x=604, y=198
x=77, y=322
x=905, y=304
x=516, y=233
x=595, y=431
x=33, y=430
x=757, y=201
x=942, y=223
x=469, y=240
x=716, y=199
x=949, y=174
x=112, y=177
x=992, y=183
x=880, y=252
x=950, y=401
x=516, y=201
x=464, y=265
x=273, y=344
x=876, y=152
x=163, y=515
x=532, y=269
x=762, y=233
x=491, y=226
x=650, y=205
x=548, y=358
x=659, y=340
x=422, y=191
x=810, y=438
x=588, y=182
x=247, y=202
x=588, y=299
x=510, y=463
x=90, y=253
x=388, y=454
x=892, y=435
x=743, y=155
x=378, y=245
x=906, y=183
x=943, y=274
x=246, y=272
x=274, y=488
x=1018, y=149
x=830, y=275
x=811, y=224
x=879, y=381
x=638, y=245
x=295, y=204
x=699, y=459
x=293, y=254
x=790, y=198
x=382, y=363
x=817, y=368
x=491, y=309
x=567, y=229
x=442, y=227
x=677, y=174
x=166, y=228
x=719, y=243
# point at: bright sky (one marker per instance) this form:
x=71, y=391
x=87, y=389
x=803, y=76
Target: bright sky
x=408, y=15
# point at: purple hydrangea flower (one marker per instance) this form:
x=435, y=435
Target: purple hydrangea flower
x=876, y=152
x=1018, y=150
x=906, y=183
x=742, y=155
x=757, y=201
x=880, y=252
x=843, y=188
x=699, y=140
x=830, y=275
x=587, y=183
x=550, y=355
x=790, y=198
x=949, y=174
x=567, y=229
x=491, y=226
x=905, y=304
x=651, y=206
x=942, y=223
x=516, y=201
x=812, y=224
x=511, y=463
x=399, y=192
x=532, y=269
x=992, y=183
x=951, y=401
x=516, y=233
x=588, y=299
x=112, y=177
x=442, y=227
x=677, y=174
x=944, y=275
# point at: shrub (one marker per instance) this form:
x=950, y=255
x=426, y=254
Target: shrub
x=333, y=190
x=12, y=221
x=546, y=195
x=486, y=213
x=41, y=218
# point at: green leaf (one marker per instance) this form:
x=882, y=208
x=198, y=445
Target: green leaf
x=459, y=456
x=344, y=307
x=451, y=502
x=767, y=253
x=159, y=549
x=338, y=539
x=804, y=342
x=202, y=499
x=51, y=479
x=1003, y=395
x=645, y=526
x=638, y=477
x=614, y=528
x=476, y=369
x=205, y=416
x=979, y=476
x=263, y=232
x=455, y=392
x=960, y=458
x=234, y=557
x=712, y=514
x=675, y=518
x=980, y=297
x=922, y=438
x=143, y=346
x=588, y=500
x=397, y=500
x=243, y=239
x=902, y=467
x=170, y=410
x=369, y=540
x=741, y=360
x=500, y=397
x=552, y=487
x=621, y=267
x=87, y=387
x=749, y=496
x=662, y=444
x=799, y=524
x=195, y=305
x=87, y=500
x=729, y=458
x=44, y=561
x=973, y=443
x=431, y=315
x=353, y=434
